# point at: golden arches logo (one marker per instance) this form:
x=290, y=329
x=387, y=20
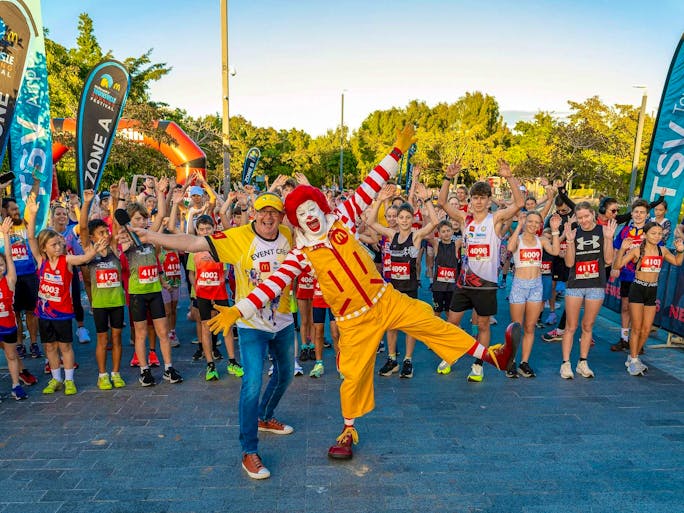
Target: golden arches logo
x=339, y=236
x=11, y=37
x=116, y=86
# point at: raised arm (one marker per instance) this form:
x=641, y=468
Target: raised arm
x=385, y=193
x=161, y=186
x=553, y=247
x=674, y=259
x=451, y=172
x=11, y=273
x=518, y=200
x=30, y=215
x=423, y=193
x=608, y=233
x=83, y=233
x=570, y=250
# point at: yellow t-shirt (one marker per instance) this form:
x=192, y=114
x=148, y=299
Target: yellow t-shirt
x=254, y=259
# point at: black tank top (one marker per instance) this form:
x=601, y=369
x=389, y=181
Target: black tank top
x=588, y=271
x=403, y=270
x=446, y=265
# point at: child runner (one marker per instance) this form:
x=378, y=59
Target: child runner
x=210, y=290
x=55, y=308
x=525, y=297
x=107, y=293
x=648, y=261
x=8, y=321
x=590, y=247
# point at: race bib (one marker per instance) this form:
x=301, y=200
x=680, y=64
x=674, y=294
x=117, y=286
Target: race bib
x=400, y=271
x=587, y=270
x=479, y=252
x=530, y=257
x=446, y=274
x=208, y=279
x=172, y=269
x=107, y=278
x=306, y=282
x=148, y=274
x=546, y=267
x=651, y=264
x=19, y=252
x=48, y=292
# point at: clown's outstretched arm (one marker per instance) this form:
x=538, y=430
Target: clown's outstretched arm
x=294, y=264
x=365, y=193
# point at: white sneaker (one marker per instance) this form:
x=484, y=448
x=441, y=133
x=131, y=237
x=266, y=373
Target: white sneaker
x=492, y=320
x=476, y=373
x=566, y=371
x=173, y=339
x=270, y=370
x=583, y=369
x=83, y=335
x=298, y=371
x=636, y=367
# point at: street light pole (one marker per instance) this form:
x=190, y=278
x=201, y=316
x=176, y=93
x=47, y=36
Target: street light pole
x=342, y=145
x=225, y=72
x=637, y=143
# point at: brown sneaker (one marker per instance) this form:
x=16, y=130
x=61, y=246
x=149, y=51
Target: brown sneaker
x=620, y=345
x=275, y=426
x=342, y=450
x=254, y=468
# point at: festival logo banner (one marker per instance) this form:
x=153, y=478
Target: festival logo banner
x=15, y=37
x=251, y=161
x=30, y=136
x=665, y=163
x=102, y=101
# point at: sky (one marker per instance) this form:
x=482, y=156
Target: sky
x=294, y=59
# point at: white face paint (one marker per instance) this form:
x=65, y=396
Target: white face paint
x=311, y=220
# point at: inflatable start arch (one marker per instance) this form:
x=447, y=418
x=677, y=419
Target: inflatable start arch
x=185, y=155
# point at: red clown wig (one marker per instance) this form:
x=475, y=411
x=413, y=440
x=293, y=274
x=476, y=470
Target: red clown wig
x=299, y=195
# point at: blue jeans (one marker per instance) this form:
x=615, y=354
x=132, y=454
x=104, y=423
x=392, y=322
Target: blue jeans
x=253, y=347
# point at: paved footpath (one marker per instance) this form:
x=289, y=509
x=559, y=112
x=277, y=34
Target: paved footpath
x=433, y=443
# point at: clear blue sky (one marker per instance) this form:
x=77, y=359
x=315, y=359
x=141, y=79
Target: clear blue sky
x=294, y=58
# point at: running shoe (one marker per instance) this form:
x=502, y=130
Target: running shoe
x=35, y=351
x=195, y=341
x=391, y=366
x=275, y=426
x=211, y=374
x=620, y=345
x=27, y=378
x=406, y=369
x=134, y=361
x=199, y=354
x=553, y=336
x=152, y=359
x=83, y=335
x=46, y=368
x=103, y=382
x=118, y=381
x=566, y=371
x=317, y=370
x=493, y=321
x=476, y=373
x=172, y=376
x=312, y=353
x=235, y=369
x=327, y=344
x=52, y=386
x=583, y=369
x=19, y=393
x=539, y=323
x=146, y=379
x=381, y=347
x=173, y=339
x=69, y=387
x=304, y=354
x=635, y=367
x=443, y=368
x=217, y=354
x=254, y=467
x=551, y=319
x=511, y=372
x=525, y=370
x=270, y=370
x=298, y=371
x=21, y=351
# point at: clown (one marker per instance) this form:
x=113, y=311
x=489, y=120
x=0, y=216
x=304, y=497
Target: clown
x=364, y=305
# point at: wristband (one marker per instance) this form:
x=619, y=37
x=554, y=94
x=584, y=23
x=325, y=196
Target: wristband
x=555, y=233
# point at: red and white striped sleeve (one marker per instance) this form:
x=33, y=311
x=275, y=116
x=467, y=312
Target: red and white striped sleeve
x=349, y=211
x=294, y=264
